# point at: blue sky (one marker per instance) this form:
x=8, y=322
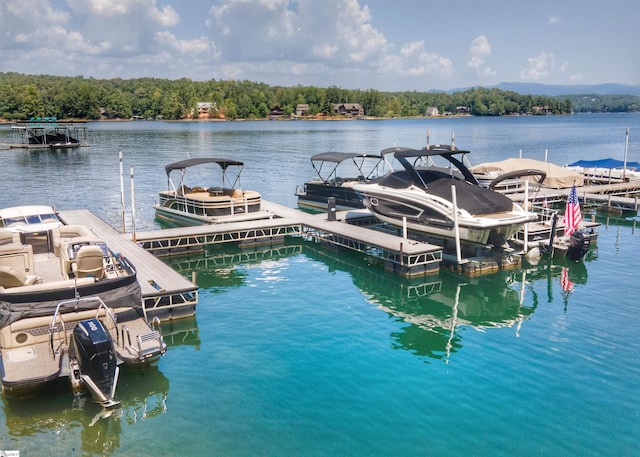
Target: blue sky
x=388, y=45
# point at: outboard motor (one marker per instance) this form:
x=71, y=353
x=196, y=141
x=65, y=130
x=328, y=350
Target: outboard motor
x=578, y=246
x=97, y=361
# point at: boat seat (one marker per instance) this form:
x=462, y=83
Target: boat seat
x=13, y=278
x=17, y=256
x=65, y=233
x=8, y=237
x=89, y=262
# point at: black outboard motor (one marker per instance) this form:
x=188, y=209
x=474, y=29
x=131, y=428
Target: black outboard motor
x=578, y=246
x=97, y=361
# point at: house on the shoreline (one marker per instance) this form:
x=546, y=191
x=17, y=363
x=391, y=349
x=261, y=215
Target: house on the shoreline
x=302, y=109
x=276, y=112
x=354, y=110
x=207, y=110
x=432, y=111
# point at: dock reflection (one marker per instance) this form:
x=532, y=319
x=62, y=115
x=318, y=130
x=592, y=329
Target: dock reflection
x=215, y=268
x=181, y=332
x=437, y=306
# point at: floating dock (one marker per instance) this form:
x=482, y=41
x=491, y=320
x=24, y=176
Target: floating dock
x=166, y=293
x=404, y=256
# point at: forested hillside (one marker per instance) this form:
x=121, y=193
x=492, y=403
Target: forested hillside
x=26, y=96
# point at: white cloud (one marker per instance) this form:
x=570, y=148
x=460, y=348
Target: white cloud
x=337, y=32
x=538, y=67
x=479, y=51
x=554, y=20
x=196, y=46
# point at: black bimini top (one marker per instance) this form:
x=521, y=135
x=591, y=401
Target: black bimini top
x=433, y=150
x=182, y=164
x=337, y=157
x=446, y=151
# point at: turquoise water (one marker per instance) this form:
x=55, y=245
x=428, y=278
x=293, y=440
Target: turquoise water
x=298, y=351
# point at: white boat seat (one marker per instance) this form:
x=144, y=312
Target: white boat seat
x=13, y=278
x=89, y=262
x=65, y=233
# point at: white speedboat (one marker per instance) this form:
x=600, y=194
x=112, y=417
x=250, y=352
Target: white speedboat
x=332, y=182
x=434, y=198
x=69, y=307
x=201, y=205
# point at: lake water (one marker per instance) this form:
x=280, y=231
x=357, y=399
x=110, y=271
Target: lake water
x=297, y=351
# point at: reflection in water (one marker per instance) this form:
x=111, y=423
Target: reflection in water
x=436, y=306
x=216, y=268
x=181, y=332
x=142, y=393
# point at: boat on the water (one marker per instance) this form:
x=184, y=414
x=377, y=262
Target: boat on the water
x=332, y=182
x=69, y=307
x=201, y=205
x=437, y=194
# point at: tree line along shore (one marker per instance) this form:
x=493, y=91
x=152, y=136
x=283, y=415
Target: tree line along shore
x=24, y=97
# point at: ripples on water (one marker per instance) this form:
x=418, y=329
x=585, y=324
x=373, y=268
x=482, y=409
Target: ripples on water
x=296, y=351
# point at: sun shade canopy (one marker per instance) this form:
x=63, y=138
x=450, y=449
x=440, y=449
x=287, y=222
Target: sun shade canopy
x=183, y=164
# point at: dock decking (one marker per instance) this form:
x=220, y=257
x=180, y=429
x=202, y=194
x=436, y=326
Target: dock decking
x=165, y=292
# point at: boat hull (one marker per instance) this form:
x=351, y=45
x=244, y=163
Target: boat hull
x=203, y=208
x=419, y=211
x=315, y=196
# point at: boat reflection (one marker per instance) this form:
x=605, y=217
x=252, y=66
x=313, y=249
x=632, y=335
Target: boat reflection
x=142, y=393
x=436, y=307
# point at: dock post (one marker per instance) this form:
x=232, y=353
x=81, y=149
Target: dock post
x=133, y=209
x=456, y=228
x=122, y=207
x=331, y=209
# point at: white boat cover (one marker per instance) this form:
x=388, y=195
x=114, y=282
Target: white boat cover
x=557, y=177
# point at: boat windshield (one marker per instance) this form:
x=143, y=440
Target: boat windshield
x=29, y=219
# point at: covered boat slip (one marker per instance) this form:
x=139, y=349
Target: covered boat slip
x=165, y=293
x=49, y=133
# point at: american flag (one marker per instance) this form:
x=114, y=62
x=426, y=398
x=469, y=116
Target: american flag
x=565, y=282
x=572, y=214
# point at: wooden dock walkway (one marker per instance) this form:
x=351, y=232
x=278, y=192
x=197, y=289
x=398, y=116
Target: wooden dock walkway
x=165, y=292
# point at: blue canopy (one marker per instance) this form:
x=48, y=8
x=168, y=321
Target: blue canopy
x=605, y=163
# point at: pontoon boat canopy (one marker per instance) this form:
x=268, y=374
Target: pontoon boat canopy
x=338, y=157
x=181, y=165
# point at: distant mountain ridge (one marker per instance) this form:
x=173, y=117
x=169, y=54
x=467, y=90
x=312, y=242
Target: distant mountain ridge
x=559, y=90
